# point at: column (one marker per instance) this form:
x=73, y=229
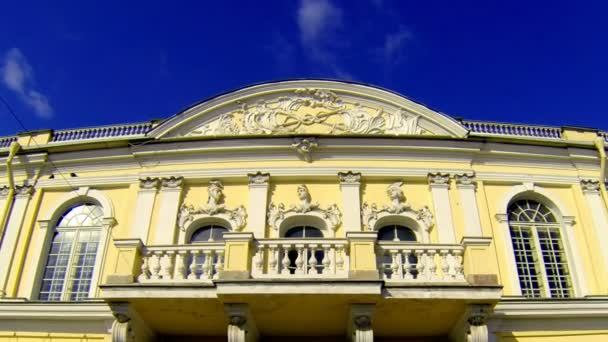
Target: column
x=128, y=326
x=148, y=187
x=241, y=325
x=360, y=323
x=11, y=233
x=362, y=246
x=591, y=191
x=350, y=184
x=170, y=197
x=258, y=203
x=477, y=321
x=465, y=183
x=440, y=185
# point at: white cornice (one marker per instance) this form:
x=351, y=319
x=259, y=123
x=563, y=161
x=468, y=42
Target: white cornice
x=551, y=308
x=55, y=311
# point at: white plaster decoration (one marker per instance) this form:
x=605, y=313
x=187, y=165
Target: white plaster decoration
x=214, y=208
x=590, y=186
x=398, y=208
x=4, y=190
x=11, y=233
x=241, y=325
x=170, y=196
x=599, y=217
x=277, y=214
x=350, y=184
x=477, y=321
x=360, y=319
x=258, y=199
x=465, y=183
x=307, y=107
x=148, y=187
x=439, y=184
x=128, y=326
x=503, y=220
x=573, y=254
x=304, y=147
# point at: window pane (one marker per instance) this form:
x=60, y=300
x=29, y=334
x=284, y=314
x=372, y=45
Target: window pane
x=555, y=262
x=523, y=247
x=56, y=266
x=208, y=233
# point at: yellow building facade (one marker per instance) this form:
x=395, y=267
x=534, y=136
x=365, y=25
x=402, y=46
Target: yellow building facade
x=306, y=210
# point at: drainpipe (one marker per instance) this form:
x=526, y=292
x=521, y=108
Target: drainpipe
x=599, y=144
x=11, y=187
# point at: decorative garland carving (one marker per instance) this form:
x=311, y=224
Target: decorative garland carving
x=398, y=206
x=277, y=213
x=215, y=207
x=307, y=107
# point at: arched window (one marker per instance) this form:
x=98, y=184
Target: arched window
x=305, y=232
x=396, y=263
x=208, y=233
x=539, y=252
x=396, y=233
x=71, y=258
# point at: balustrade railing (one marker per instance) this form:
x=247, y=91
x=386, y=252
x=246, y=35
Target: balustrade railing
x=301, y=258
x=413, y=262
x=495, y=128
x=103, y=132
x=182, y=263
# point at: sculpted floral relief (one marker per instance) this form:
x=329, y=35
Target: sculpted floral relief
x=214, y=207
x=278, y=213
x=305, y=108
x=398, y=205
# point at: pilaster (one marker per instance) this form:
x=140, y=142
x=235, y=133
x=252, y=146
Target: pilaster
x=258, y=203
x=439, y=184
x=170, y=197
x=241, y=325
x=350, y=184
x=362, y=246
x=465, y=183
x=11, y=233
x=477, y=321
x=360, y=320
x=591, y=192
x=148, y=187
x=128, y=326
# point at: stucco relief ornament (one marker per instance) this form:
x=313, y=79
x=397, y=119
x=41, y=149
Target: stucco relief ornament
x=589, y=185
x=398, y=206
x=214, y=207
x=304, y=147
x=328, y=112
x=278, y=213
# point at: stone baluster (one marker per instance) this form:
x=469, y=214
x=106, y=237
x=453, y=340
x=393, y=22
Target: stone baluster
x=300, y=259
x=259, y=260
x=180, y=265
x=326, y=259
x=155, y=261
x=167, y=265
x=312, y=260
x=421, y=257
x=145, y=269
x=457, y=265
x=273, y=260
x=285, y=261
x=339, y=255
x=219, y=264
x=432, y=265
x=407, y=266
x=207, y=265
x=445, y=266
x=193, y=266
x=395, y=274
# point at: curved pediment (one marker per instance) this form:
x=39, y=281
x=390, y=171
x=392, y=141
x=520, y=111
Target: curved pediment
x=313, y=107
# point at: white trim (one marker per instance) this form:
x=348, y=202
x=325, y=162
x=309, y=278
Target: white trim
x=49, y=220
x=11, y=238
x=443, y=213
x=600, y=223
x=470, y=210
x=351, y=206
x=142, y=216
x=408, y=219
x=170, y=199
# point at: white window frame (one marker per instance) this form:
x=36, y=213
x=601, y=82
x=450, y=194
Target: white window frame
x=552, y=201
x=47, y=223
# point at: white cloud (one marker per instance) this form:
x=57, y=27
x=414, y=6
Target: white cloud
x=17, y=75
x=392, y=50
x=319, y=22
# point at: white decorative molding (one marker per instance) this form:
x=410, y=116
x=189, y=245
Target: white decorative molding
x=214, y=207
x=360, y=320
x=477, y=321
x=259, y=183
x=349, y=177
x=149, y=183
x=590, y=185
x=172, y=182
x=23, y=190
x=259, y=178
x=309, y=110
x=439, y=183
x=277, y=214
x=464, y=179
x=397, y=207
x=439, y=179
x=4, y=191
x=304, y=147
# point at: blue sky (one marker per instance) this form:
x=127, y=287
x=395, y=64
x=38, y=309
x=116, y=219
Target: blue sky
x=78, y=63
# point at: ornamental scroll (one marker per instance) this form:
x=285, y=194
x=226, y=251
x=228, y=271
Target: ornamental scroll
x=311, y=111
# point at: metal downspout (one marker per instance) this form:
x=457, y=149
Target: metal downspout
x=14, y=148
x=599, y=144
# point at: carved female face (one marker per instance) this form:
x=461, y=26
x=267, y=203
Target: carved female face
x=395, y=193
x=215, y=193
x=303, y=193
